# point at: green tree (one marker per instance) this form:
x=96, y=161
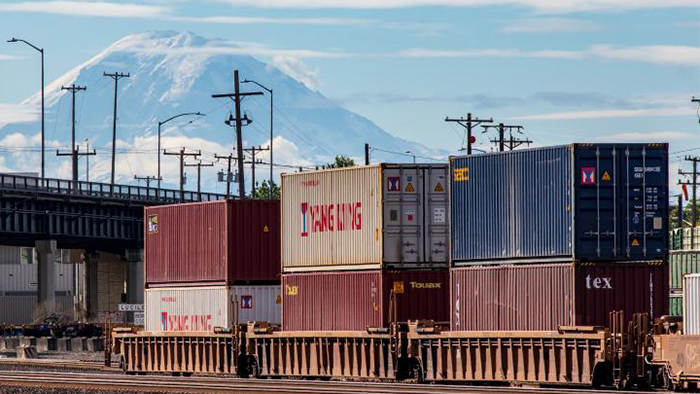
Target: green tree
x=342, y=161
x=687, y=214
x=262, y=190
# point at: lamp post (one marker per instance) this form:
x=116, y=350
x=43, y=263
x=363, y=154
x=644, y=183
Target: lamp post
x=160, y=124
x=41, y=50
x=269, y=187
x=414, y=156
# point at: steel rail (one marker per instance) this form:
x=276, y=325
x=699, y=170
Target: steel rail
x=235, y=385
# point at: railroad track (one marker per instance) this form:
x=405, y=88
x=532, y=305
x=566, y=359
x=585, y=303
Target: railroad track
x=167, y=384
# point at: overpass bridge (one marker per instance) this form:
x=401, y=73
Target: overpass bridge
x=50, y=214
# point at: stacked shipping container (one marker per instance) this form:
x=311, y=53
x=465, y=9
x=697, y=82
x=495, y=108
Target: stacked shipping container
x=558, y=235
x=212, y=264
x=364, y=246
x=682, y=262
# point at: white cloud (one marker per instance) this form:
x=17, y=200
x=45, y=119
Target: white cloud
x=609, y=113
x=87, y=8
x=654, y=136
x=232, y=48
x=658, y=54
x=13, y=113
x=7, y=57
x=661, y=54
x=247, y=20
x=295, y=68
x=549, y=25
x=465, y=53
x=545, y=6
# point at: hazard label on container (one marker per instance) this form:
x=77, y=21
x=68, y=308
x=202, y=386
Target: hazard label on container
x=439, y=188
x=606, y=176
x=635, y=242
x=393, y=184
x=588, y=175
x=247, y=301
x=266, y=229
x=398, y=287
x=409, y=188
x=152, y=224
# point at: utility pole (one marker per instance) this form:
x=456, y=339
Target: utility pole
x=366, y=154
x=148, y=180
x=182, y=155
x=468, y=124
x=501, y=141
x=116, y=77
x=236, y=96
x=696, y=100
x=199, y=166
x=692, y=183
x=87, y=161
x=253, y=151
x=75, y=151
x=229, y=158
x=272, y=98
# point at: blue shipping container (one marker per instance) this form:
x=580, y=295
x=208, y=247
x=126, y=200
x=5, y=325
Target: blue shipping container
x=581, y=202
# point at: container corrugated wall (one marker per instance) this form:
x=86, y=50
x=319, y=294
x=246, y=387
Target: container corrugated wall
x=258, y=303
x=361, y=299
x=19, y=278
x=339, y=210
x=586, y=202
x=204, y=308
x=683, y=262
x=691, y=304
x=634, y=288
x=216, y=242
x=503, y=203
x=545, y=296
x=527, y=297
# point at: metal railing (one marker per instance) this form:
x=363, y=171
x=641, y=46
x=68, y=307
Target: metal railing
x=35, y=185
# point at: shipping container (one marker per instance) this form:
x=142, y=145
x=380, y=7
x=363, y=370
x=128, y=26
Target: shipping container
x=23, y=308
x=355, y=300
x=23, y=277
x=545, y=296
x=204, y=308
x=683, y=262
x=691, y=304
x=675, y=304
x=686, y=238
x=222, y=242
x=379, y=216
x=589, y=202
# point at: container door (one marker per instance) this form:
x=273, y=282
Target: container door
x=403, y=241
x=436, y=205
x=622, y=202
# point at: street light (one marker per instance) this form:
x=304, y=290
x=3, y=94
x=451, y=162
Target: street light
x=160, y=124
x=41, y=50
x=269, y=188
x=414, y=156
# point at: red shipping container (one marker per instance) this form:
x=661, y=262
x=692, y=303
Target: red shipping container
x=546, y=296
x=221, y=242
x=355, y=300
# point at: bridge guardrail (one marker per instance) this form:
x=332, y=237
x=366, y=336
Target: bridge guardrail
x=32, y=184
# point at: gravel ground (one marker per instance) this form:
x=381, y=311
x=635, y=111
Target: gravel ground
x=77, y=356
x=38, y=390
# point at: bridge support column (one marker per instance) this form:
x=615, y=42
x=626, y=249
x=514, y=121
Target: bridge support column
x=46, y=276
x=91, y=284
x=135, y=282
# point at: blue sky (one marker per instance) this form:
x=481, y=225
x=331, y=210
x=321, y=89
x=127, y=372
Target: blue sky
x=589, y=70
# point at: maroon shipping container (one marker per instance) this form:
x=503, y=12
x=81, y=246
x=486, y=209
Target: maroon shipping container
x=355, y=300
x=221, y=242
x=544, y=297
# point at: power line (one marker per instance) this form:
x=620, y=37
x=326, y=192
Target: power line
x=182, y=153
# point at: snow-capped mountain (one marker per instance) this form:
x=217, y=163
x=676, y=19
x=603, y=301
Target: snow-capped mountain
x=171, y=73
